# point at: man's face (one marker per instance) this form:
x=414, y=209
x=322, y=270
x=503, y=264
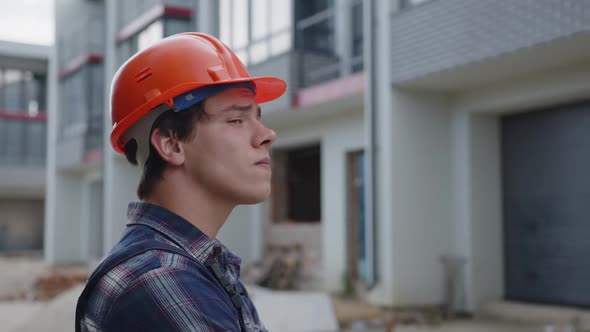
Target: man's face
x=229, y=153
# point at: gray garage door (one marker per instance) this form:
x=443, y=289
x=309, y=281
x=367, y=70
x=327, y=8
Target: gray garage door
x=546, y=184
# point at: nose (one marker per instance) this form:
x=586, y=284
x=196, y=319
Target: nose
x=265, y=136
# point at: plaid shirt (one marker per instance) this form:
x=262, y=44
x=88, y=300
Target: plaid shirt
x=161, y=291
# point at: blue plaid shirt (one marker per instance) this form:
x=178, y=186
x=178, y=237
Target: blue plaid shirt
x=161, y=291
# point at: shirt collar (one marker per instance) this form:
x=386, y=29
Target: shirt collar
x=182, y=232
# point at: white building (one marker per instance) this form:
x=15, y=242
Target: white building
x=23, y=117
x=462, y=123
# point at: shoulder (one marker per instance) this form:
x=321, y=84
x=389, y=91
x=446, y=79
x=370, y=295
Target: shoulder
x=156, y=281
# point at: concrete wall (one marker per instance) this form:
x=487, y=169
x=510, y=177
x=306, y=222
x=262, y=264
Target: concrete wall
x=486, y=211
x=477, y=214
x=21, y=224
x=337, y=135
x=242, y=233
x=444, y=34
x=63, y=227
x=421, y=196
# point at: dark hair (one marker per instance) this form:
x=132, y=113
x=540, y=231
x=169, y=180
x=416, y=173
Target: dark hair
x=180, y=125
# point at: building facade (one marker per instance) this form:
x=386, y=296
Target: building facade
x=23, y=117
x=412, y=131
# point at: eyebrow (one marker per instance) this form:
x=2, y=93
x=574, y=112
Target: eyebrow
x=242, y=108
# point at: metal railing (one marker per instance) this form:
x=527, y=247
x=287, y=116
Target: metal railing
x=315, y=45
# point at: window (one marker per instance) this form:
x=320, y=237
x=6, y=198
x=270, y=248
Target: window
x=412, y=3
x=357, y=35
x=153, y=32
x=256, y=29
x=150, y=35
x=296, y=192
x=315, y=26
x=21, y=91
x=72, y=103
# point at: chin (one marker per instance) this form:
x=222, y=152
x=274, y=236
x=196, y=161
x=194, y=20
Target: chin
x=255, y=197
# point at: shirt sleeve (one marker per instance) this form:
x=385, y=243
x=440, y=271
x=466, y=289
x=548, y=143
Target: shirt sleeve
x=171, y=299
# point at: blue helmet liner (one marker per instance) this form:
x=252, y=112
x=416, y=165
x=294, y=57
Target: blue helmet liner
x=190, y=98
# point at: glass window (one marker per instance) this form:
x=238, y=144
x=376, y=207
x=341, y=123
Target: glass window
x=240, y=24
x=259, y=51
x=150, y=35
x=242, y=55
x=225, y=21
x=281, y=15
x=13, y=89
x=33, y=108
x=12, y=76
x=259, y=19
x=174, y=26
x=280, y=43
x=256, y=29
x=357, y=36
x=297, y=185
x=307, y=8
x=410, y=3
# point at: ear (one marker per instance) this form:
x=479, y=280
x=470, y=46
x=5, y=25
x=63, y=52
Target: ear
x=169, y=148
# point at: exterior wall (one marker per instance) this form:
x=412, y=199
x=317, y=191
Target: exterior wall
x=379, y=121
x=23, y=71
x=80, y=43
x=445, y=34
x=22, y=181
x=478, y=230
x=63, y=226
x=486, y=59
x=21, y=225
x=127, y=11
x=281, y=66
x=337, y=134
x=243, y=232
x=76, y=109
x=477, y=233
x=421, y=196
x=487, y=264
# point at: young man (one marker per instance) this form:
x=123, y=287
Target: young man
x=186, y=111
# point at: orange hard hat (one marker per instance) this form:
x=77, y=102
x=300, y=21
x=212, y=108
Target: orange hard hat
x=173, y=66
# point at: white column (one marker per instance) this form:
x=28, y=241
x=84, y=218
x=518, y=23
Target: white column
x=208, y=17
x=487, y=268
x=50, y=184
x=120, y=177
x=461, y=216
x=343, y=35
x=379, y=90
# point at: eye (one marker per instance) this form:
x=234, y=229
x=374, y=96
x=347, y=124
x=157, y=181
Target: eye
x=235, y=121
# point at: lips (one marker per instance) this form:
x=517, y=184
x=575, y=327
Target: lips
x=264, y=162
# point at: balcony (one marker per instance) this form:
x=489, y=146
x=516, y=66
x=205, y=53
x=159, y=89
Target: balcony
x=454, y=44
x=22, y=153
x=314, y=59
x=81, y=111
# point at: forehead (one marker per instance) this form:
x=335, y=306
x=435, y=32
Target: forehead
x=236, y=96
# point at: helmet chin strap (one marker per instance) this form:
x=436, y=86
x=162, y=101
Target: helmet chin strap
x=141, y=132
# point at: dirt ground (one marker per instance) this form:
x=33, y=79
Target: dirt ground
x=19, y=274
x=21, y=312
x=21, y=309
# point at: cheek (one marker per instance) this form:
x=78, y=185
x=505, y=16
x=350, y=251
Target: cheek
x=219, y=152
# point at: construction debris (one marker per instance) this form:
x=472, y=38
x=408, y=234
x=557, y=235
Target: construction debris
x=56, y=282
x=279, y=270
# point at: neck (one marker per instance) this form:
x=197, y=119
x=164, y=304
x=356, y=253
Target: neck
x=202, y=209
